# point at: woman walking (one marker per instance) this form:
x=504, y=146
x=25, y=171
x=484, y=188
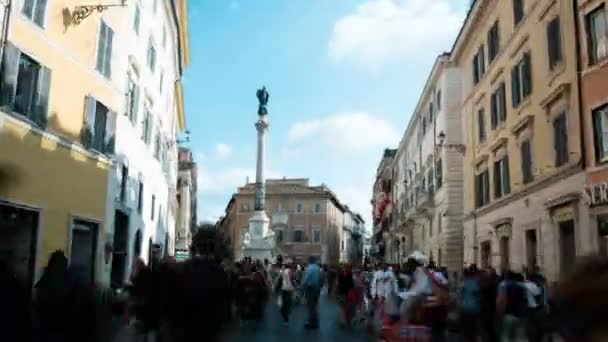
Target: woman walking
x=286, y=292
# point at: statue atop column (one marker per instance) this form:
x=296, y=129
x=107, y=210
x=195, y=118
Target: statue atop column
x=263, y=96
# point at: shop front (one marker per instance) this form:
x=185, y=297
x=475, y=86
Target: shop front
x=596, y=196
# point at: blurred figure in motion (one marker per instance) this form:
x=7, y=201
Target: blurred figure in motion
x=580, y=307
x=15, y=316
x=51, y=295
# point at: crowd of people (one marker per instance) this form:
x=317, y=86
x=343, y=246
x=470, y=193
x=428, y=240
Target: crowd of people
x=170, y=301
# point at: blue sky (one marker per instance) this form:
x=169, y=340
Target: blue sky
x=343, y=76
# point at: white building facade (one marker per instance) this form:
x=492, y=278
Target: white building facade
x=427, y=175
x=143, y=208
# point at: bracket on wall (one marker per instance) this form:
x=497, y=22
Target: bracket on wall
x=83, y=11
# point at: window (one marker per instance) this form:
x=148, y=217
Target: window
x=482, y=189
x=600, y=132
x=100, y=127
x=502, y=180
x=124, y=177
x=316, y=234
x=152, y=208
x=521, y=80
x=431, y=112
x=498, y=104
x=504, y=253
x=34, y=10
x=479, y=65
x=299, y=208
x=597, y=31
x=83, y=248
x=147, y=127
x=25, y=85
x=160, y=82
x=526, y=162
x=317, y=208
x=560, y=139
x=518, y=11
x=439, y=173
x=493, y=42
x=136, y=19
x=104, y=50
x=481, y=125
x=298, y=235
x=151, y=56
x=438, y=100
x=279, y=235
x=554, y=42
x=429, y=178
x=423, y=125
x=157, y=145
x=244, y=207
x=133, y=102
x=140, y=197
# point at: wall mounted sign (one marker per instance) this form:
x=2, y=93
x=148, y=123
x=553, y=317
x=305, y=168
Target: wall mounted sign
x=596, y=194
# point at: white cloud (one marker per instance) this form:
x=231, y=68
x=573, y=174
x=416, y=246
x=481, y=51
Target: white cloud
x=354, y=132
x=222, y=151
x=388, y=30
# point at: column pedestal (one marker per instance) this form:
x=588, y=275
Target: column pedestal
x=261, y=245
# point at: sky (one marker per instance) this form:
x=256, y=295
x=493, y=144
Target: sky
x=344, y=77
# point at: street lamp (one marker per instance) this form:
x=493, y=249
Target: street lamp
x=81, y=12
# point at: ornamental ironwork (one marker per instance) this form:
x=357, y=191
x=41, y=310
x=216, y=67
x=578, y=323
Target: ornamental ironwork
x=82, y=12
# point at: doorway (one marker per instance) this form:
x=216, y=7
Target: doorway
x=486, y=253
x=119, y=255
x=18, y=239
x=505, y=262
x=567, y=246
x=83, y=250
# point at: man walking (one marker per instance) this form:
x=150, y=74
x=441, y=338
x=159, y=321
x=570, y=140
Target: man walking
x=312, y=287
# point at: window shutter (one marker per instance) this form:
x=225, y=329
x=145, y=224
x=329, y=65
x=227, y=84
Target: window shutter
x=477, y=191
x=10, y=71
x=110, y=134
x=493, y=110
x=486, y=187
x=497, y=185
x=527, y=74
x=28, y=8
x=39, y=12
x=475, y=70
x=598, y=136
x=108, y=53
x=506, y=179
x=604, y=129
x=564, y=139
x=42, y=96
x=503, y=103
x=482, y=61
x=101, y=44
x=135, y=104
x=88, y=127
x=515, y=95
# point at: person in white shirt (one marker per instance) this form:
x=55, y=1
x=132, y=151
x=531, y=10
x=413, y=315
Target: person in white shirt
x=286, y=292
x=377, y=290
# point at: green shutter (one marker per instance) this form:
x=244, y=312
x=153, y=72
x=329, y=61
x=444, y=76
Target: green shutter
x=515, y=94
x=598, y=134
x=101, y=44
x=493, y=110
x=110, y=133
x=503, y=103
x=135, y=104
x=39, y=12
x=10, y=72
x=88, y=127
x=506, y=180
x=108, y=53
x=42, y=97
x=527, y=75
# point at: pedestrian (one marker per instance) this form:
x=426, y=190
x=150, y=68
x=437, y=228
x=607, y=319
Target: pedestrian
x=470, y=310
x=51, y=296
x=511, y=306
x=15, y=315
x=489, y=293
x=311, y=283
x=345, y=285
x=286, y=292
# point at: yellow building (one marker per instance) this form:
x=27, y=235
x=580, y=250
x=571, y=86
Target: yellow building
x=59, y=100
x=523, y=160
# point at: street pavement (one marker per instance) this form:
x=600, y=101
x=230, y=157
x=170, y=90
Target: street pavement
x=271, y=328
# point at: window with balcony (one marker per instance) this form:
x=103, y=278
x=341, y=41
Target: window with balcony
x=493, y=41
x=25, y=85
x=521, y=80
x=560, y=139
x=502, y=181
x=597, y=33
x=482, y=189
x=99, y=130
x=481, y=125
x=104, y=50
x=479, y=65
x=554, y=43
x=600, y=132
x=518, y=11
x=526, y=162
x=498, y=104
x=34, y=10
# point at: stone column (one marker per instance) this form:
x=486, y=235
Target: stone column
x=260, y=187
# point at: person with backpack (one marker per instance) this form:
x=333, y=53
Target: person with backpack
x=511, y=306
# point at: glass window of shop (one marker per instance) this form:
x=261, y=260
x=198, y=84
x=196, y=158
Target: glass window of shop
x=602, y=233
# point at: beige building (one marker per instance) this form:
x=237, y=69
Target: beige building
x=382, y=205
x=307, y=220
x=523, y=163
